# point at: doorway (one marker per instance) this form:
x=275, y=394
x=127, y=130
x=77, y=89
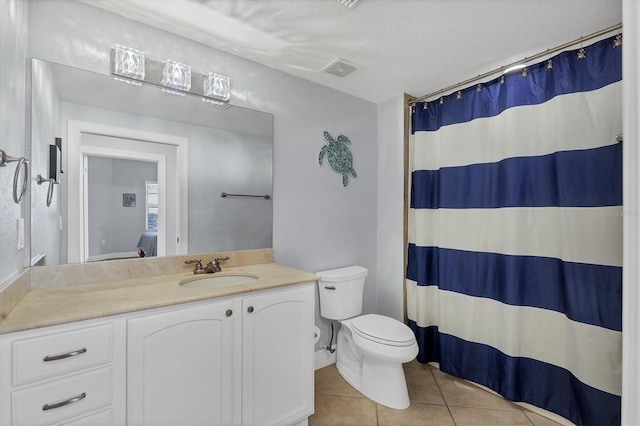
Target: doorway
x=89, y=142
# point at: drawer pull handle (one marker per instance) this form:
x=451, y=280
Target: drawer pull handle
x=330, y=287
x=63, y=356
x=53, y=406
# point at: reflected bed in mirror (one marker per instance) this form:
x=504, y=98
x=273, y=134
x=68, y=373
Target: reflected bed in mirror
x=118, y=141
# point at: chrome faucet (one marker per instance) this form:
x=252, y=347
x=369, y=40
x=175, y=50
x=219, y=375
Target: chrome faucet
x=199, y=269
x=213, y=266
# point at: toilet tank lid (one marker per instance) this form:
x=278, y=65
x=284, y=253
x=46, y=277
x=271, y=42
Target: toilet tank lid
x=343, y=274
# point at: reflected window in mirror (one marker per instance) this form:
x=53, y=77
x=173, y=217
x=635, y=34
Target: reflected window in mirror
x=151, y=210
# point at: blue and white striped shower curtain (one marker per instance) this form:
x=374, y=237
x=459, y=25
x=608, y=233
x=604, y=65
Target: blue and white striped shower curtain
x=514, y=276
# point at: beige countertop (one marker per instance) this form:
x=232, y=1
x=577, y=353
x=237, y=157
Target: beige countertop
x=43, y=307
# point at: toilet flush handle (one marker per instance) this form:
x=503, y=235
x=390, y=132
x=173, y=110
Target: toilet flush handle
x=329, y=287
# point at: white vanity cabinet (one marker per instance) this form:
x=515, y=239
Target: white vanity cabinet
x=71, y=374
x=239, y=360
x=245, y=359
x=277, y=356
x=182, y=367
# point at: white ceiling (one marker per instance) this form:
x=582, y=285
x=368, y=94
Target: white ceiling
x=412, y=46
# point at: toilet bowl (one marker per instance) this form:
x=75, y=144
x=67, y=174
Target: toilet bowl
x=372, y=361
x=370, y=348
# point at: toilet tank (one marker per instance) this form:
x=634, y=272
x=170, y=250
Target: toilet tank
x=341, y=292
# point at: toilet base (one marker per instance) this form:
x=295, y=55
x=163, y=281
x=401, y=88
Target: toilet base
x=383, y=382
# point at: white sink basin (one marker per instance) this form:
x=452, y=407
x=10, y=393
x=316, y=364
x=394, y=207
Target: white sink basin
x=217, y=281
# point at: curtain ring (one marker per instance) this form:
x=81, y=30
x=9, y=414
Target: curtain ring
x=22, y=162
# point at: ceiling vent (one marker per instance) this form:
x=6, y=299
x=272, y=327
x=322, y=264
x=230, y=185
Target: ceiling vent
x=339, y=68
x=348, y=3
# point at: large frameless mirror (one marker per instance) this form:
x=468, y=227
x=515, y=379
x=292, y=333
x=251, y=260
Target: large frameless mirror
x=142, y=172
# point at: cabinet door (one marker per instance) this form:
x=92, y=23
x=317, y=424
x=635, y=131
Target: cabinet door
x=277, y=356
x=181, y=366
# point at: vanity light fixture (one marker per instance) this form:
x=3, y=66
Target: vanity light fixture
x=218, y=104
x=176, y=75
x=129, y=62
x=217, y=86
x=132, y=67
x=348, y=3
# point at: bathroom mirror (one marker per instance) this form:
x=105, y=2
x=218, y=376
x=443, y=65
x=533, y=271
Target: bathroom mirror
x=140, y=168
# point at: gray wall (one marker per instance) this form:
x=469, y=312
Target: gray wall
x=318, y=224
x=45, y=118
x=13, y=47
x=390, y=207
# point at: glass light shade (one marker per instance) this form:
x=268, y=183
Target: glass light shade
x=217, y=86
x=176, y=75
x=129, y=62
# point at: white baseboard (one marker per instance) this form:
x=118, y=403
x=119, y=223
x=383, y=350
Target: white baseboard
x=324, y=358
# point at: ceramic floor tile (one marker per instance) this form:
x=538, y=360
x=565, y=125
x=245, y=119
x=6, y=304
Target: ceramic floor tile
x=539, y=420
x=459, y=393
x=330, y=382
x=343, y=410
x=416, y=414
x=414, y=363
x=422, y=386
x=464, y=416
x=338, y=403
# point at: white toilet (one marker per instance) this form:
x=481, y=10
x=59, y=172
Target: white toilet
x=370, y=348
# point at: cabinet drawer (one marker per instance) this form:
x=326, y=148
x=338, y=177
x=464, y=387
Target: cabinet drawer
x=103, y=418
x=52, y=354
x=62, y=399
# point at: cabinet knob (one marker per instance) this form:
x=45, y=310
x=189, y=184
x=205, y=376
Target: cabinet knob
x=229, y=312
x=250, y=309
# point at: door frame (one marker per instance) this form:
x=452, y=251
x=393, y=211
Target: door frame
x=76, y=242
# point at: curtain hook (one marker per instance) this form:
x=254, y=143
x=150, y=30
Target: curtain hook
x=618, y=41
x=441, y=100
x=425, y=106
x=582, y=53
x=479, y=88
x=549, y=60
x=459, y=94
x=502, y=79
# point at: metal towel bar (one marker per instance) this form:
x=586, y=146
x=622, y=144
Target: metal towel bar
x=266, y=197
x=22, y=163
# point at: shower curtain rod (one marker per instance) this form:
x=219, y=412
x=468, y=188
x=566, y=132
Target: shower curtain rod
x=520, y=62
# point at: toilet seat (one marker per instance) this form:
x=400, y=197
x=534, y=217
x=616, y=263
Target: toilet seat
x=383, y=330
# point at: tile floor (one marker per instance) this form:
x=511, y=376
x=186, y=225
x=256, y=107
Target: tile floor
x=436, y=399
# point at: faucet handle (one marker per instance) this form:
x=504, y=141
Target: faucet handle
x=222, y=258
x=199, y=269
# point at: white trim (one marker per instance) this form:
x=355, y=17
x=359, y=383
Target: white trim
x=631, y=197
x=323, y=358
x=76, y=152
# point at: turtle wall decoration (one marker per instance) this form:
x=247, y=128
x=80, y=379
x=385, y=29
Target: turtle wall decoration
x=338, y=156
